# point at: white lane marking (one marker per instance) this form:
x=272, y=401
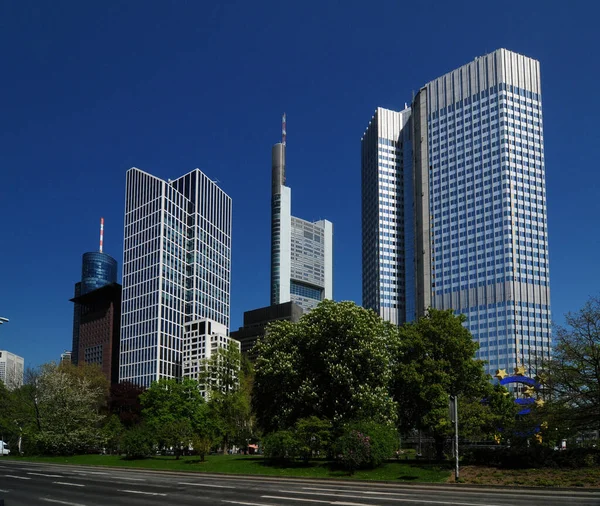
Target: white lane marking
x=47, y=475
x=142, y=492
x=47, y=499
x=371, y=494
x=248, y=503
x=4, y=491
x=293, y=499
x=68, y=484
x=130, y=479
x=204, y=485
x=97, y=472
x=16, y=477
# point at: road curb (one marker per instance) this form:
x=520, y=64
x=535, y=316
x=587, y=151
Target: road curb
x=299, y=479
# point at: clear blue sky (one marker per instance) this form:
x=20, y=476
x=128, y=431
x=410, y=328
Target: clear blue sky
x=89, y=89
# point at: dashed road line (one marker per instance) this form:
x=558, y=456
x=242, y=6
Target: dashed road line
x=205, y=485
x=56, y=501
x=68, y=484
x=142, y=492
x=47, y=475
x=16, y=477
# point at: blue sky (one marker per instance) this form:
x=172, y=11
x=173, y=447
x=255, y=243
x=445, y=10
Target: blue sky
x=89, y=89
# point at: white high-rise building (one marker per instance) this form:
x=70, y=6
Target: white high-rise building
x=176, y=269
x=473, y=206
x=301, y=251
x=202, y=339
x=12, y=368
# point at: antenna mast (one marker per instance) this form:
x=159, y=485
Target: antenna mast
x=101, y=234
x=283, y=132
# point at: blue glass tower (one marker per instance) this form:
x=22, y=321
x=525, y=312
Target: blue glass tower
x=97, y=270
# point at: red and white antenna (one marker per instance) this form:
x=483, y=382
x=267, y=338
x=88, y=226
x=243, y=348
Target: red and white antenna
x=283, y=132
x=101, y=234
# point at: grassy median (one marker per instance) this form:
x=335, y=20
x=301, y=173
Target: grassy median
x=256, y=465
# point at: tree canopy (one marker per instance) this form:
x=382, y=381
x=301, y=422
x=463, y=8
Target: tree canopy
x=336, y=363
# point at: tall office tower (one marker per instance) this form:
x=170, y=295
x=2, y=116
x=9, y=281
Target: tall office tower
x=479, y=214
x=301, y=251
x=176, y=269
x=386, y=239
x=97, y=270
x=12, y=368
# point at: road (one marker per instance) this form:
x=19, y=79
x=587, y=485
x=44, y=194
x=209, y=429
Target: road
x=27, y=484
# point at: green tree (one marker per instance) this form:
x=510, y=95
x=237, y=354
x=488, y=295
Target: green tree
x=314, y=436
x=335, y=363
x=67, y=410
x=168, y=401
x=178, y=435
x=112, y=433
x=572, y=378
x=436, y=359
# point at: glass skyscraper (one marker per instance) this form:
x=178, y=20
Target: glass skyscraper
x=474, y=203
x=301, y=251
x=176, y=269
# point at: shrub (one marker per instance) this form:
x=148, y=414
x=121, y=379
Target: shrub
x=533, y=456
x=314, y=436
x=137, y=443
x=366, y=444
x=281, y=445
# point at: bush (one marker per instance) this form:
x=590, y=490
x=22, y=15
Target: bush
x=281, y=445
x=314, y=436
x=137, y=443
x=366, y=444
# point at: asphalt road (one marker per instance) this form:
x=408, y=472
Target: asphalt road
x=30, y=484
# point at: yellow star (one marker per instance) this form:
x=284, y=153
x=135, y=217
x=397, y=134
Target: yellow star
x=520, y=370
x=544, y=425
x=528, y=391
x=541, y=378
x=539, y=402
x=497, y=439
x=538, y=438
x=501, y=374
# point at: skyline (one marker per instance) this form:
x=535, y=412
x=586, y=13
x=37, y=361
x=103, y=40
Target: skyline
x=78, y=117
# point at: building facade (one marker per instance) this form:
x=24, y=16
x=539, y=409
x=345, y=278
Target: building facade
x=301, y=251
x=202, y=340
x=176, y=269
x=257, y=320
x=100, y=329
x=478, y=209
x=97, y=270
x=12, y=368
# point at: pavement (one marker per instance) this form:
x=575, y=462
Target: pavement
x=33, y=484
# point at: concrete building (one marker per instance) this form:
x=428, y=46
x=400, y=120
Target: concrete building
x=176, y=269
x=12, y=368
x=100, y=329
x=301, y=251
x=455, y=211
x=202, y=339
x=257, y=320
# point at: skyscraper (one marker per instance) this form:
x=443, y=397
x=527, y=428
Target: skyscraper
x=176, y=269
x=97, y=270
x=301, y=251
x=11, y=369
x=474, y=202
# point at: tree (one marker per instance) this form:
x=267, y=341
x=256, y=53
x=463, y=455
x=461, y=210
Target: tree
x=230, y=395
x=436, y=359
x=67, y=411
x=168, y=401
x=178, y=435
x=124, y=401
x=314, y=436
x=335, y=363
x=572, y=377
x=112, y=432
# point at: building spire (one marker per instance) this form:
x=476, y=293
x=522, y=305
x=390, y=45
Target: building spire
x=101, y=234
x=283, y=130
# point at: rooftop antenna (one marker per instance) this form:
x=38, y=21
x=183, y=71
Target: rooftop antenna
x=283, y=132
x=101, y=234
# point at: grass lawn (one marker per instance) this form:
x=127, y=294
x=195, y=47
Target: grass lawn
x=543, y=477
x=255, y=465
